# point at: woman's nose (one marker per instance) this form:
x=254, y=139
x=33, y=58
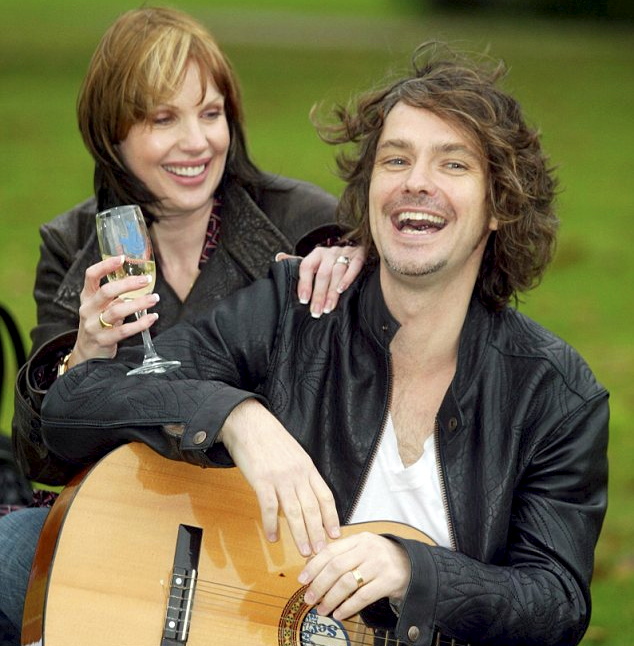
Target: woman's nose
x=193, y=136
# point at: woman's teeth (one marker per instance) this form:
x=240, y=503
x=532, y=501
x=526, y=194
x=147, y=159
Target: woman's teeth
x=185, y=171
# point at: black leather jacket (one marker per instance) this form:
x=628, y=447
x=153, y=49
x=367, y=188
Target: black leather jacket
x=280, y=215
x=522, y=435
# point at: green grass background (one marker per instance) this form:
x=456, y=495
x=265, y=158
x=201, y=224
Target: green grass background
x=575, y=81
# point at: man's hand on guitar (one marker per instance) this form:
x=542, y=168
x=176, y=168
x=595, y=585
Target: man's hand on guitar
x=354, y=572
x=282, y=475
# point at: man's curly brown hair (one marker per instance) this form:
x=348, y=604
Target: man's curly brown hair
x=521, y=184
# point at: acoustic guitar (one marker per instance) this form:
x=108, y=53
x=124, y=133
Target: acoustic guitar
x=146, y=551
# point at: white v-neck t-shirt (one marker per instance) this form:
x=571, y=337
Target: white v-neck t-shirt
x=409, y=495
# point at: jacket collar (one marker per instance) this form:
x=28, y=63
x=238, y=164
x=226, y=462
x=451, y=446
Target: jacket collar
x=474, y=337
x=474, y=340
x=375, y=315
x=248, y=235
x=69, y=289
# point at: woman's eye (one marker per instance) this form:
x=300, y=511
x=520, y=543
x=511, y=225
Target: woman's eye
x=213, y=113
x=161, y=119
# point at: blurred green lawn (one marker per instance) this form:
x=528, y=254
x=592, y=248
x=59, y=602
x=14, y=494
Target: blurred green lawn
x=575, y=80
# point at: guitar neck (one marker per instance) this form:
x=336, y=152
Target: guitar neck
x=387, y=638
x=442, y=640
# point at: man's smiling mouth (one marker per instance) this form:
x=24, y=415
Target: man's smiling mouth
x=417, y=222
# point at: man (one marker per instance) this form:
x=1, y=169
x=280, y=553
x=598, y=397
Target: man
x=424, y=398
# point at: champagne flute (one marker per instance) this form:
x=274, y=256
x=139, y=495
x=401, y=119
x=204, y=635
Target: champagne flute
x=121, y=231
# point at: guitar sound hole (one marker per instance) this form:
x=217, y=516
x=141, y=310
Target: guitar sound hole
x=302, y=626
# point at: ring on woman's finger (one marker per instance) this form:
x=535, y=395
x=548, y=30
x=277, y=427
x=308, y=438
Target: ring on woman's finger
x=104, y=324
x=344, y=260
x=358, y=578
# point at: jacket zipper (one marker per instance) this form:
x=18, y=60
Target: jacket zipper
x=443, y=489
x=366, y=471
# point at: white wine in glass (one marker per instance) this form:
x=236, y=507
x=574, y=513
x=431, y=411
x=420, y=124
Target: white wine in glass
x=121, y=231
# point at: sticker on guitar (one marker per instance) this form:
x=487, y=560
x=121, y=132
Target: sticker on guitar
x=314, y=630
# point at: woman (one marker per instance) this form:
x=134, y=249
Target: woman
x=160, y=113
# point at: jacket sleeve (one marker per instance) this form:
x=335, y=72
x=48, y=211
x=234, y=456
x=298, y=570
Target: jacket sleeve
x=539, y=591
x=32, y=381
x=96, y=407
x=52, y=338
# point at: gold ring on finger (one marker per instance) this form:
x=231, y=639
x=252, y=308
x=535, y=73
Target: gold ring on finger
x=104, y=324
x=358, y=578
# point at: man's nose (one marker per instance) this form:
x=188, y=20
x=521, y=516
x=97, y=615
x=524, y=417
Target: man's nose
x=419, y=179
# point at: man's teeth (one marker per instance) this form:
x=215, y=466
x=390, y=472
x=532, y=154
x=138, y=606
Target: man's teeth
x=186, y=171
x=415, y=216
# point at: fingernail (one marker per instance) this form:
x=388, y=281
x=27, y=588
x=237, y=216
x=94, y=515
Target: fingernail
x=303, y=299
x=272, y=537
x=305, y=550
x=303, y=577
x=335, y=532
x=310, y=598
x=278, y=256
x=328, y=307
x=316, y=313
x=156, y=298
x=148, y=279
x=342, y=288
x=319, y=546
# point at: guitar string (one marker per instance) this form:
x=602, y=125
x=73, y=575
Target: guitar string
x=236, y=593
x=215, y=600
x=230, y=594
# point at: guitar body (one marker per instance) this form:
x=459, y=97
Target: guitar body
x=104, y=570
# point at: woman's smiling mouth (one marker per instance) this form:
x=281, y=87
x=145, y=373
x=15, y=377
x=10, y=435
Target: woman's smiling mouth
x=185, y=171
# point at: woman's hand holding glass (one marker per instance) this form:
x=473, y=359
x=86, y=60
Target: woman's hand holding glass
x=104, y=298
x=122, y=231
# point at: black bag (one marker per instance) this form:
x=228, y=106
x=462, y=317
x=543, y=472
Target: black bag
x=15, y=489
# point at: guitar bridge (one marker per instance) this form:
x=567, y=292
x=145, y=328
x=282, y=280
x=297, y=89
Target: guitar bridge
x=182, y=586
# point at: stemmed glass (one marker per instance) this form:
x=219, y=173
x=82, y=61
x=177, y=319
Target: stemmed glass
x=121, y=231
